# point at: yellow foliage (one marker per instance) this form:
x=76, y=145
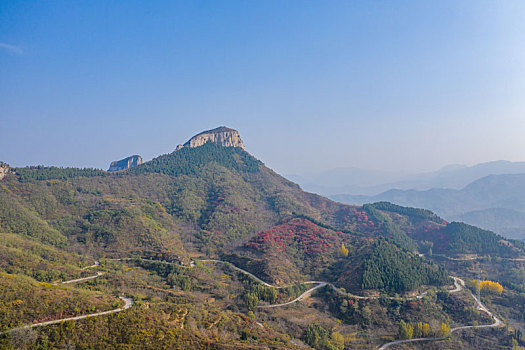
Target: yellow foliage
x=46, y=285
x=343, y=251
x=426, y=330
x=445, y=330
x=487, y=286
x=421, y=330
x=338, y=340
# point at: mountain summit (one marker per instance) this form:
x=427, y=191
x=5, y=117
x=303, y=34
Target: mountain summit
x=222, y=136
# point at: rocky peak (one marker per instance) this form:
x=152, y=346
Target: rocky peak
x=222, y=136
x=125, y=163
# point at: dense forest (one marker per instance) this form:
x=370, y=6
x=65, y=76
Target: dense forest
x=412, y=212
x=460, y=238
x=189, y=161
x=388, y=269
x=40, y=172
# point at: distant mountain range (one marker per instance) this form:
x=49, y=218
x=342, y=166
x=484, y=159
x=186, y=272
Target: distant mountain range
x=494, y=202
x=358, y=181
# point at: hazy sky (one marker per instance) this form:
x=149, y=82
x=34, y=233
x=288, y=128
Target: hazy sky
x=311, y=85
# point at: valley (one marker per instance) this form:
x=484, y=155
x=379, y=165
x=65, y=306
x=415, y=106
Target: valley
x=459, y=284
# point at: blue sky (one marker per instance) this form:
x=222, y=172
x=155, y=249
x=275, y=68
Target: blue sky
x=311, y=85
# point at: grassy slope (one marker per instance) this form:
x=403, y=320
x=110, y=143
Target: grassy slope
x=25, y=301
x=19, y=255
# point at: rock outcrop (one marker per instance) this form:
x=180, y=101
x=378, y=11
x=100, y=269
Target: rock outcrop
x=125, y=163
x=222, y=136
x=4, y=169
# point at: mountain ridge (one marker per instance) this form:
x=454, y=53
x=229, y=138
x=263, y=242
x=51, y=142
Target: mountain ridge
x=491, y=194
x=359, y=181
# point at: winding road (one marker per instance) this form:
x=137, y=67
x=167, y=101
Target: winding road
x=307, y=293
x=459, y=286
x=128, y=302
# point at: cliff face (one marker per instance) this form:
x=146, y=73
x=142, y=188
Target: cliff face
x=125, y=163
x=222, y=135
x=4, y=169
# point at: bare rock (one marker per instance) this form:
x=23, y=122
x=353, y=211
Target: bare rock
x=222, y=136
x=4, y=169
x=125, y=163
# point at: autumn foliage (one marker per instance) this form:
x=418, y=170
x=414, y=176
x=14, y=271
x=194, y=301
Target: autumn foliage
x=343, y=251
x=297, y=233
x=487, y=286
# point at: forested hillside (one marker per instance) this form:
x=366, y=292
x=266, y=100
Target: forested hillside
x=154, y=227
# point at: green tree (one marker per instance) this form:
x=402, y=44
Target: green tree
x=406, y=331
x=366, y=313
x=251, y=301
x=418, y=330
x=315, y=334
x=338, y=340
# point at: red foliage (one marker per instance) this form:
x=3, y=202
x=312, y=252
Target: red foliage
x=356, y=219
x=432, y=232
x=297, y=232
x=413, y=305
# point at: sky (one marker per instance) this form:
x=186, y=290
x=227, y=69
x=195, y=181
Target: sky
x=310, y=85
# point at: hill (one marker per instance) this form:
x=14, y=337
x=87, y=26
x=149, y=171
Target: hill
x=150, y=225
x=208, y=198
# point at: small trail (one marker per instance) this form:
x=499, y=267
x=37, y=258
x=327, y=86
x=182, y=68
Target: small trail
x=128, y=302
x=240, y=270
x=99, y=273
x=459, y=286
x=96, y=264
x=476, y=258
x=300, y=297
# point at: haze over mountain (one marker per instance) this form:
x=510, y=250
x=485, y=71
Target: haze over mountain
x=494, y=202
x=356, y=181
